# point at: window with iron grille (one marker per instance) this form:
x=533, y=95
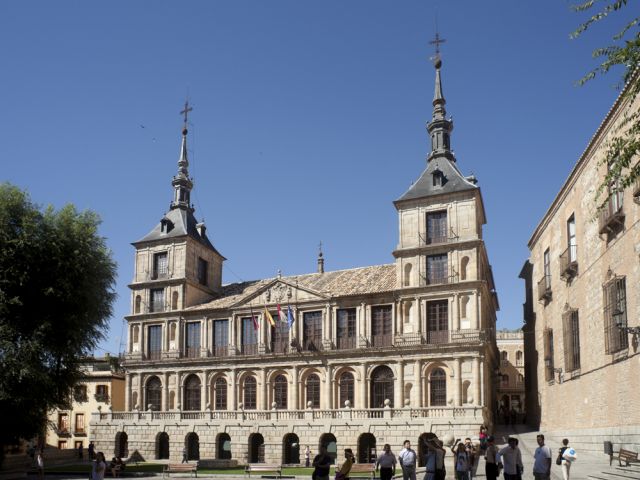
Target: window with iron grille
x=79, y=427
x=347, y=389
x=519, y=358
x=438, y=321
x=313, y=390
x=571, y=340
x=157, y=300
x=438, y=388
x=346, y=328
x=249, y=337
x=548, y=355
x=381, y=326
x=192, y=393
x=280, y=337
x=381, y=387
x=250, y=393
x=192, y=340
x=154, y=342
x=220, y=337
x=160, y=265
x=547, y=269
x=63, y=422
x=437, y=269
x=154, y=394
x=102, y=393
x=312, y=330
x=280, y=391
x=571, y=239
x=615, y=315
x=437, y=227
x=203, y=271
x=220, y=394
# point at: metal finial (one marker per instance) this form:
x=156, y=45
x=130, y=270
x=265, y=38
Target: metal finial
x=320, y=249
x=437, y=61
x=185, y=112
x=279, y=273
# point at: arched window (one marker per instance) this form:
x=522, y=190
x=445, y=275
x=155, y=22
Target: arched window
x=313, y=390
x=162, y=446
x=220, y=394
x=519, y=358
x=174, y=301
x=250, y=394
x=291, y=449
x=346, y=384
x=407, y=274
x=138, y=302
x=438, y=388
x=381, y=386
x=223, y=452
x=280, y=391
x=154, y=394
x=256, y=448
x=192, y=393
x=464, y=263
x=505, y=381
x=504, y=355
x=122, y=445
x=192, y=445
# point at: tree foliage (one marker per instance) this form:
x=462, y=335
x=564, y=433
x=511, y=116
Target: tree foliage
x=56, y=293
x=623, y=168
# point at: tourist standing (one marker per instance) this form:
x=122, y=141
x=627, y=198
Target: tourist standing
x=184, y=455
x=345, y=468
x=430, y=460
x=321, y=464
x=80, y=454
x=307, y=456
x=542, y=460
x=40, y=464
x=490, y=457
x=441, y=471
x=386, y=463
x=99, y=467
x=92, y=450
x=511, y=459
x=564, y=462
x=482, y=436
x=407, y=460
x=461, y=459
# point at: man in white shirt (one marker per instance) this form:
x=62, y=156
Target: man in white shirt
x=542, y=460
x=407, y=460
x=511, y=459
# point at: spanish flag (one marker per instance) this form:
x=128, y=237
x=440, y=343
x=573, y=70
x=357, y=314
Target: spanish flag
x=268, y=316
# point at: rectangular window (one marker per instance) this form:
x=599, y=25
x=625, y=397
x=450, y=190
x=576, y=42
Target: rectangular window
x=571, y=239
x=102, y=393
x=437, y=227
x=279, y=336
x=203, y=271
x=547, y=269
x=192, y=340
x=438, y=322
x=80, y=393
x=160, y=265
x=154, y=342
x=615, y=315
x=437, y=269
x=249, y=337
x=77, y=444
x=312, y=331
x=63, y=422
x=346, y=328
x=79, y=423
x=571, y=340
x=220, y=338
x=157, y=300
x=549, y=362
x=381, y=326
x=62, y=445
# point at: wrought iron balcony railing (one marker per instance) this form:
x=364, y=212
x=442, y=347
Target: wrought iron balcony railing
x=611, y=216
x=569, y=262
x=544, y=288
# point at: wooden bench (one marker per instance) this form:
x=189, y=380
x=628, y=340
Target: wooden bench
x=263, y=467
x=180, y=468
x=627, y=456
x=367, y=468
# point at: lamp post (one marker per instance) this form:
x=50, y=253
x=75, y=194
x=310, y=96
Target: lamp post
x=618, y=316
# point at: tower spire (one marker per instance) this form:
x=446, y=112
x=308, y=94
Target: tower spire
x=439, y=127
x=320, y=259
x=182, y=183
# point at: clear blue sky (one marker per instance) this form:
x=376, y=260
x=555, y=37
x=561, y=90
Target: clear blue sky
x=309, y=120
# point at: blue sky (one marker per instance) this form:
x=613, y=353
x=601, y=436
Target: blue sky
x=309, y=120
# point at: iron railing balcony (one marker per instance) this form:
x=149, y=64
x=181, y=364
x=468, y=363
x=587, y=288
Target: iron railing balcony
x=544, y=288
x=280, y=347
x=220, y=350
x=569, y=262
x=437, y=337
x=312, y=344
x=440, y=278
x=192, y=352
x=346, y=343
x=438, y=237
x=154, y=354
x=249, y=349
x=382, y=340
x=611, y=217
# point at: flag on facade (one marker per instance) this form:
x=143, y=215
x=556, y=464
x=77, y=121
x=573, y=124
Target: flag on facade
x=268, y=316
x=253, y=319
x=289, y=317
x=281, y=315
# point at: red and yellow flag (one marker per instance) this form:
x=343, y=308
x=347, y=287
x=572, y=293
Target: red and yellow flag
x=269, y=318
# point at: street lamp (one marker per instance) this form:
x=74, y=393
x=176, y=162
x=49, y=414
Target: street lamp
x=548, y=364
x=618, y=320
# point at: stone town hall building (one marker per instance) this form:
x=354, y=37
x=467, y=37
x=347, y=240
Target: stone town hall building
x=374, y=355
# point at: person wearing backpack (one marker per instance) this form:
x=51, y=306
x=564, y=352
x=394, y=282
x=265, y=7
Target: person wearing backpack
x=563, y=461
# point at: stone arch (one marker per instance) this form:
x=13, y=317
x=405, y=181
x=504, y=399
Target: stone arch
x=346, y=389
x=331, y=444
x=174, y=300
x=219, y=392
x=256, y=448
x=192, y=387
x=407, y=275
x=465, y=392
x=464, y=264
x=312, y=390
x=291, y=449
x=223, y=446
x=280, y=391
x=382, y=387
x=464, y=304
x=249, y=390
x=153, y=393
x=121, y=449
x=367, y=448
x=162, y=446
x=137, y=304
x=192, y=444
x=437, y=387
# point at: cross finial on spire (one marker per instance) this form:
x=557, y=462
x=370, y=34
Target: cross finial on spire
x=320, y=249
x=437, y=41
x=186, y=111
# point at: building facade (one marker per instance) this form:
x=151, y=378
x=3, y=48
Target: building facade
x=510, y=393
x=582, y=285
x=255, y=371
x=101, y=389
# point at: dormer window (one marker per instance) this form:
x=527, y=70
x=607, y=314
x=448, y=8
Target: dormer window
x=438, y=178
x=166, y=225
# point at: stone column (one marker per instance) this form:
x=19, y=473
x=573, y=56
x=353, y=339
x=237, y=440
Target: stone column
x=398, y=401
x=455, y=313
x=127, y=392
x=476, y=381
x=232, y=390
x=457, y=388
x=294, y=388
x=262, y=399
x=363, y=403
x=417, y=378
x=481, y=400
x=141, y=393
x=232, y=334
x=328, y=394
x=165, y=392
x=179, y=396
x=418, y=317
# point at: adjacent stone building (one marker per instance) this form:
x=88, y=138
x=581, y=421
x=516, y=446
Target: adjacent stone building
x=255, y=371
x=510, y=393
x=101, y=389
x=582, y=285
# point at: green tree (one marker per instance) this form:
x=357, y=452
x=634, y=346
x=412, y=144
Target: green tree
x=56, y=293
x=622, y=55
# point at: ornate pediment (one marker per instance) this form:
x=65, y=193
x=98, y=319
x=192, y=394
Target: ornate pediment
x=281, y=292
